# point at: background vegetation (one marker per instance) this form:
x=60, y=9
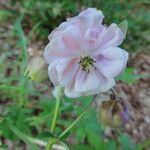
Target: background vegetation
x=26, y=107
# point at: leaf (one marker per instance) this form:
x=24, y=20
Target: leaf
x=17, y=116
x=45, y=134
x=129, y=77
x=80, y=134
x=3, y=146
x=126, y=142
x=93, y=138
x=144, y=144
x=111, y=145
x=83, y=147
x=92, y=130
x=22, y=136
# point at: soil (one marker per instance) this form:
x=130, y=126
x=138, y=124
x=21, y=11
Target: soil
x=137, y=98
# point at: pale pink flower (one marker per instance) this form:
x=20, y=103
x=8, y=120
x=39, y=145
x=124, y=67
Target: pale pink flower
x=83, y=54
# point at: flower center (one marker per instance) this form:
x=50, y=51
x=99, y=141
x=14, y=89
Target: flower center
x=86, y=63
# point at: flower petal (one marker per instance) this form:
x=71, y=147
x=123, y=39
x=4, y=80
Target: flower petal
x=66, y=71
x=105, y=83
x=111, y=36
x=62, y=71
x=70, y=92
x=53, y=74
x=92, y=13
x=57, y=31
x=86, y=19
x=69, y=45
x=86, y=81
x=110, y=62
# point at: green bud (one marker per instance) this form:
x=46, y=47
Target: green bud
x=37, y=69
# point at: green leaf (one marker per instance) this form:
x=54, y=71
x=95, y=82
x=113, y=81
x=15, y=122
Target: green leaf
x=93, y=130
x=111, y=145
x=3, y=146
x=129, y=77
x=17, y=116
x=45, y=134
x=22, y=136
x=82, y=147
x=144, y=144
x=80, y=134
x=126, y=142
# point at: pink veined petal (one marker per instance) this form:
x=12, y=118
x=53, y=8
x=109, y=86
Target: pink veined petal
x=113, y=53
x=56, y=51
x=57, y=31
x=70, y=88
x=73, y=40
x=62, y=71
x=92, y=13
x=66, y=71
x=111, y=62
x=53, y=74
x=69, y=45
x=92, y=35
x=86, y=81
x=86, y=19
x=105, y=83
x=111, y=36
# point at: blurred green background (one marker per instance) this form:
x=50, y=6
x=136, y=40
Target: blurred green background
x=26, y=107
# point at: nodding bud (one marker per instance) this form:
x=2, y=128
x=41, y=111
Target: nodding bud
x=113, y=113
x=37, y=69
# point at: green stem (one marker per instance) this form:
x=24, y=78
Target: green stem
x=55, y=115
x=77, y=119
x=51, y=141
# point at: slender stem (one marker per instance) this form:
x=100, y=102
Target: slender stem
x=77, y=119
x=51, y=141
x=55, y=115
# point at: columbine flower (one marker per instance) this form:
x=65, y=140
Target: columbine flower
x=83, y=54
x=113, y=113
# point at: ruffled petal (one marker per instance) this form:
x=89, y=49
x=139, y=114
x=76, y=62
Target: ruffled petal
x=112, y=61
x=53, y=74
x=66, y=71
x=70, y=92
x=92, y=13
x=105, y=83
x=57, y=31
x=86, y=81
x=111, y=36
x=62, y=71
x=64, y=46
x=86, y=19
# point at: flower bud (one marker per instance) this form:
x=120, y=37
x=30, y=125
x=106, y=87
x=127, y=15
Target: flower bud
x=37, y=69
x=113, y=113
